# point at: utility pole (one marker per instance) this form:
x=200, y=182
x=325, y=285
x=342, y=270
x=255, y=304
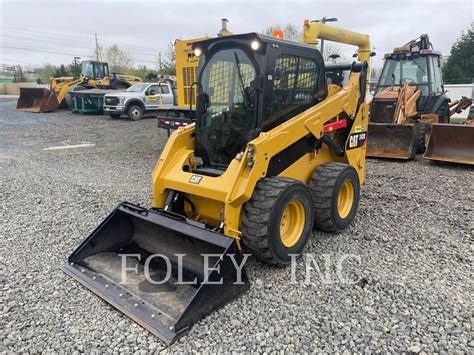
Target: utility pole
x=323, y=21
x=96, y=47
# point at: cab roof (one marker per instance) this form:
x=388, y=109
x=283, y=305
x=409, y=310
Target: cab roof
x=245, y=37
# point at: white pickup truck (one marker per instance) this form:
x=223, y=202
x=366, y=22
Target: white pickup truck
x=139, y=99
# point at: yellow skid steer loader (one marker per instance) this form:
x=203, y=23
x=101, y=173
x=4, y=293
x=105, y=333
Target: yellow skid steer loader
x=274, y=151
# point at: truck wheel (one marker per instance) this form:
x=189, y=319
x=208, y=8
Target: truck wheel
x=422, y=132
x=277, y=220
x=336, y=192
x=114, y=115
x=135, y=112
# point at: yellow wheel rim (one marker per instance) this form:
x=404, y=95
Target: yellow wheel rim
x=292, y=223
x=345, y=199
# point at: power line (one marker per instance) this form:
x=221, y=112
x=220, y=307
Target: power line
x=39, y=40
x=142, y=50
x=138, y=60
x=44, y=51
x=16, y=61
x=53, y=41
x=39, y=31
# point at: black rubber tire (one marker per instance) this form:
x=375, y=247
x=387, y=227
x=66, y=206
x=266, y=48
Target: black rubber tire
x=114, y=115
x=443, y=112
x=325, y=185
x=262, y=216
x=135, y=112
x=422, y=130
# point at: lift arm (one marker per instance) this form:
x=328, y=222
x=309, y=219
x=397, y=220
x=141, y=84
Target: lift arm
x=314, y=30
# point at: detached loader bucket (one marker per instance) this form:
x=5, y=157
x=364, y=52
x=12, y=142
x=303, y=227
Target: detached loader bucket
x=386, y=140
x=134, y=249
x=37, y=100
x=451, y=143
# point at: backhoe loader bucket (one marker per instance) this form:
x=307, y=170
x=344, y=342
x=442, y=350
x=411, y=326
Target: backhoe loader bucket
x=37, y=100
x=395, y=141
x=451, y=143
x=134, y=249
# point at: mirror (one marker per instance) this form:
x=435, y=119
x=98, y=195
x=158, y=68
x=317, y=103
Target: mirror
x=202, y=103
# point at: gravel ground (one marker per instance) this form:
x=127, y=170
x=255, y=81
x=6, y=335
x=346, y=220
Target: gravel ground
x=411, y=248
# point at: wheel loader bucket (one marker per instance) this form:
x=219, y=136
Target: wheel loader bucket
x=159, y=270
x=37, y=100
x=451, y=143
x=395, y=141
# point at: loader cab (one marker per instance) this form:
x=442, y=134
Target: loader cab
x=95, y=70
x=421, y=68
x=249, y=84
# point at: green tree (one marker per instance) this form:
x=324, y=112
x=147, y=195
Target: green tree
x=75, y=67
x=290, y=31
x=460, y=65
x=62, y=71
x=142, y=72
x=46, y=72
x=119, y=60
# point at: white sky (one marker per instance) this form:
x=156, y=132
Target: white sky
x=53, y=32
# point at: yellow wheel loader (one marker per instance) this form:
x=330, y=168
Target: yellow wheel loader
x=93, y=75
x=409, y=100
x=274, y=151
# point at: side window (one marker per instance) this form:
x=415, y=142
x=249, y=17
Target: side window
x=294, y=87
x=436, y=75
x=165, y=89
x=152, y=87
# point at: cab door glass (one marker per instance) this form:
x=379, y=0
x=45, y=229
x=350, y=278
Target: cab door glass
x=436, y=75
x=164, y=89
x=88, y=69
x=100, y=70
x=152, y=93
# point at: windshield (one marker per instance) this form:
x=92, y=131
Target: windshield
x=411, y=71
x=224, y=128
x=137, y=88
x=88, y=69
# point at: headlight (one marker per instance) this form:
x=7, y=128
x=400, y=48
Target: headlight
x=197, y=52
x=255, y=45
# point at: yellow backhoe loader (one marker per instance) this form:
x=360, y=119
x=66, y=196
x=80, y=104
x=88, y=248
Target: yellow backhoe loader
x=93, y=75
x=409, y=99
x=274, y=151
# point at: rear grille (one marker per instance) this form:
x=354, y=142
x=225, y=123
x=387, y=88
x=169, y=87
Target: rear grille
x=189, y=77
x=111, y=100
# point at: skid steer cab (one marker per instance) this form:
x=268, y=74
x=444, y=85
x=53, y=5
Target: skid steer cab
x=275, y=151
